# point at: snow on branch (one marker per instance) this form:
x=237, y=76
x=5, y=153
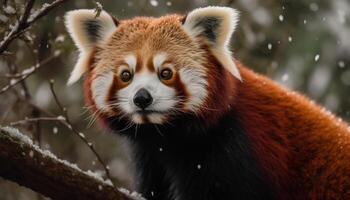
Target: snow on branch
x=20, y=77
x=26, y=164
x=26, y=20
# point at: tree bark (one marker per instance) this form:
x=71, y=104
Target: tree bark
x=29, y=166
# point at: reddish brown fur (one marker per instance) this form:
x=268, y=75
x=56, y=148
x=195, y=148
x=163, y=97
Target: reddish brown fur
x=144, y=37
x=303, y=151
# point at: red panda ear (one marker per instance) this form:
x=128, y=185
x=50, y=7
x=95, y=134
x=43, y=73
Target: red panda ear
x=87, y=31
x=216, y=25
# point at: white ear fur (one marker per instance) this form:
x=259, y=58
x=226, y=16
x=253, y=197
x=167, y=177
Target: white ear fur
x=216, y=25
x=87, y=31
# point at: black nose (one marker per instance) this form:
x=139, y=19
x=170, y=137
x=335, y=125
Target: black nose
x=142, y=98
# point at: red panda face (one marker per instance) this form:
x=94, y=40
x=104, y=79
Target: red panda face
x=150, y=70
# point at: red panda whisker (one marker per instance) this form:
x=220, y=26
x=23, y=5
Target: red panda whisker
x=210, y=109
x=128, y=126
x=136, y=127
x=84, y=111
x=122, y=116
x=93, y=118
x=88, y=107
x=160, y=133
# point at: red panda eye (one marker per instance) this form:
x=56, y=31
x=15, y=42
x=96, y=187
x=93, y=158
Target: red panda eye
x=166, y=74
x=125, y=76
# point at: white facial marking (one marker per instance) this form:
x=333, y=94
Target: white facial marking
x=131, y=61
x=137, y=118
x=158, y=60
x=156, y=118
x=164, y=97
x=195, y=82
x=100, y=88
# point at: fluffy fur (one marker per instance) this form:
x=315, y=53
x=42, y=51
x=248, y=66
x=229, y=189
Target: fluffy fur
x=208, y=135
x=87, y=31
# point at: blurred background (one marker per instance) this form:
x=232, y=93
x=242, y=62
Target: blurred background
x=304, y=45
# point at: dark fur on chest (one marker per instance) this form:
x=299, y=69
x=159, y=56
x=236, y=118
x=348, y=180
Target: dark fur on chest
x=186, y=161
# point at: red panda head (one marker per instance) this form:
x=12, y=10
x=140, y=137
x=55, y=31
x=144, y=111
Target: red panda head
x=150, y=70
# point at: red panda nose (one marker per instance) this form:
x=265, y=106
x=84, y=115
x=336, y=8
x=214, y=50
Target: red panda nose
x=143, y=98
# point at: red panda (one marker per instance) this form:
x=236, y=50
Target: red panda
x=200, y=124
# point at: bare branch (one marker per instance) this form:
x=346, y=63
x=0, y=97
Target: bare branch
x=46, y=8
x=81, y=135
x=28, y=8
x=26, y=73
x=28, y=165
x=26, y=21
x=65, y=120
x=56, y=119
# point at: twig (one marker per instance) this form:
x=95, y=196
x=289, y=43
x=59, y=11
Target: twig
x=28, y=8
x=57, y=119
x=46, y=8
x=26, y=73
x=81, y=135
x=7, y=53
x=26, y=21
x=13, y=68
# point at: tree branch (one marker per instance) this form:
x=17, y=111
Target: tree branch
x=18, y=78
x=28, y=165
x=26, y=21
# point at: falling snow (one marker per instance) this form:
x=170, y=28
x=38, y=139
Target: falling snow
x=100, y=187
x=285, y=77
x=31, y=153
x=130, y=4
x=281, y=18
x=168, y=3
x=314, y=7
x=269, y=46
x=341, y=64
x=60, y=38
x=317, y=57
x=55, y=130
x=154, y=3
x=290, y=39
